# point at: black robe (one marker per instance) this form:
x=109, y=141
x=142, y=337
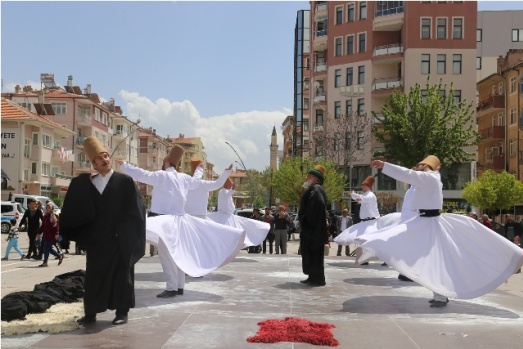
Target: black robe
x=111, y=226
x=312, y=216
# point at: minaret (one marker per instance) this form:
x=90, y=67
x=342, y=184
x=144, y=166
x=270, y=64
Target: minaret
x=274, y=150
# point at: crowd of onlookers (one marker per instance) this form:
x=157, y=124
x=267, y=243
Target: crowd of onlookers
x=511, y=230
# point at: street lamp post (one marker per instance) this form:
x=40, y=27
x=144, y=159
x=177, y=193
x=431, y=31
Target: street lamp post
x=246, y=172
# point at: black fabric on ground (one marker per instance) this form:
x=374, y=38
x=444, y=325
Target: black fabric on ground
x=65, y=288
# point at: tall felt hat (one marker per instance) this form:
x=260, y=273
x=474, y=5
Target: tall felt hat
x=93, y=147
x=432, y=161
x=175, y=155
x=369, y=181
x=318, y=171
x=195, y=162
x=228, y=183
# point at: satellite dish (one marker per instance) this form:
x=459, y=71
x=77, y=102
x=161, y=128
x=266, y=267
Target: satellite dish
x=316, y=84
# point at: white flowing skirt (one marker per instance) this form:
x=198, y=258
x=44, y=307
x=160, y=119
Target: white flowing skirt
x=255, y=231
x=197, y=246
x=349, y=235
x=450, y=254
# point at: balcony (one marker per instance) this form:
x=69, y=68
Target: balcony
x=388, y=17
x=493, y=132
x=352, y=91
x=84, y=120
x=321, y=10
x=387, y=54
x=319, y=98
x=80, y=141
x=320, y=40
x=62, y=155
x=60, y=180
x=120, y=154
x=385, y=86
x=318, y=129
x=120, y=134
x=83, y=166
x=494, y=102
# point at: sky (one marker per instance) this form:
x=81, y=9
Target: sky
x=222, y=71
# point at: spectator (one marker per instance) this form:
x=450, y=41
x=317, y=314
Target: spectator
x=485, y=221
x=49, y=232
x=343, y=222
x=268, y=218
x=512, y=229
x=12, y=241
x=281, y=224
x=256, y=216
x=32, y=218
x=498, y=228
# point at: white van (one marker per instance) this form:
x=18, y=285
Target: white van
x=22, y=199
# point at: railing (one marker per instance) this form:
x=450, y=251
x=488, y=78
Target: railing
x=492, y=132
x=85, y=118
x=320, y=33
x=388, y=11
x=321, y=7
x=388, y=49
x=80, y=140
x=497, y=101
x=383, y=84
x=121, y=133
x=318, y=128
x=59, y=175
x=320, y=67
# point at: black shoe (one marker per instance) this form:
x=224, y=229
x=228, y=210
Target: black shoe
x=23, y=256
x=306, y=281
x=86, y=320
x=120, y=320
x=316, y=284
x=5, y=259
x=438, y=304
x=180, y=291
x=433, y=300
x=38, y=258
x=404, y=278
x=60, y=259
x=167, y=294
x=366, y=263
x=383, y=264
x=339, y=254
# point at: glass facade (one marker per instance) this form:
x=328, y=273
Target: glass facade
x=301, y=46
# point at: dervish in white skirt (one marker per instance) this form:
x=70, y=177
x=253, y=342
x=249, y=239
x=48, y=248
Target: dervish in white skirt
x=451, y=255
x=255, y=231
x=190, y=244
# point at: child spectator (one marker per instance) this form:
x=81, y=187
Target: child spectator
x=12, y=241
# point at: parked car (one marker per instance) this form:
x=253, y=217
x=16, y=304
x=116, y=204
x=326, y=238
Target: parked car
x=23, y=198
x=11, y=210
x=246, y=212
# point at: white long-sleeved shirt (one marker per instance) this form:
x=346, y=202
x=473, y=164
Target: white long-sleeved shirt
x=198, y=197
x=429, y=189
x=369, y=204
x=225, y=203
x=170, y=188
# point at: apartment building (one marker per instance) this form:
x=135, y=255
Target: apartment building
x=193, y=146
x=497, y=32
x=287, y=128
x=33, y=153
x=358, y=53
x=500, y=118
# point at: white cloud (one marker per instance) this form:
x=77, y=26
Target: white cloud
x=10, y=87
x=248, y=132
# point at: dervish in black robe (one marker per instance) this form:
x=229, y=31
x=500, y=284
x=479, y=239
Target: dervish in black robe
x=313, y=236
x=111, y=226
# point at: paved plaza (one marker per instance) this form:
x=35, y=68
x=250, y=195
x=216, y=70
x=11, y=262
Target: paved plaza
x=370, y=307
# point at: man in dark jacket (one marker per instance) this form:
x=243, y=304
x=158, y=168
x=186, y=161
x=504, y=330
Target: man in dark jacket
x=106, y=214
x=312, y=217
x=512, y=229
x=32, y=218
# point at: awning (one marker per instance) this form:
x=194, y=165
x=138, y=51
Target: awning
x=4, y=175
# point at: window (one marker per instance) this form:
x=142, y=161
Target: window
x=350, y=13
x=512, y=147
x=337, y=78
x=26, y=175
x=35, y=139
x=456, y=64
x=513, y=116
x=442, y=64
x=442, y=28
x=306, y=84
x=361, y=106
x=348, y=107
x=361, y=139
x=104, y=117
x=59, y=108
x=512, y=84
x=478, y=63
x=26, y=106
x=337, y=142
x=425, y=28
x=457, y=28
x=337, y=109
x=363, y=10
x=27, y=148
x=479, y=35
x=425, y=64
x=457, y=96
x=501, y=119
x=361, y=75
x=361, y=38
x=319, y=117
x=349, y=76
x=46, y=141
x=339, y=15
x=423, y=96
x=306, y=103
x=33, y=167
x=97, y=114
x=46, y=169
x=349, y=139
x=501, y=89
x=338, y=45
x=350, y=44
x=517, y=35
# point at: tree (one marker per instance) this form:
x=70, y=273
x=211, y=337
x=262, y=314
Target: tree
x=421, y=122
x=287, y=182
x=387, y=202
x=494, y=191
